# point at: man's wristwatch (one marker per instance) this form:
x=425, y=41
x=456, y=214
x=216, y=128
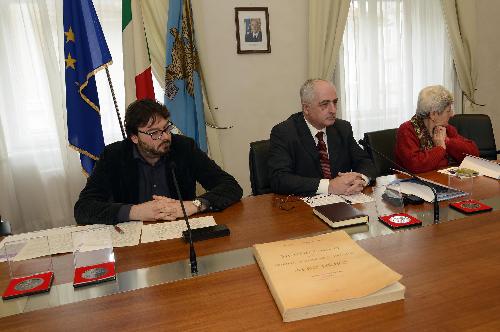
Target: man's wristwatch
x=198, y=204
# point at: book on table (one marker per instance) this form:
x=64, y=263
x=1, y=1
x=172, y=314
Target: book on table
x=415, y=187
x=340, y=215
x=324, y=274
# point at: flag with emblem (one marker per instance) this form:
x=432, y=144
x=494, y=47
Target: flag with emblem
x=85, y=53
x=136, y=60
x=183, y=93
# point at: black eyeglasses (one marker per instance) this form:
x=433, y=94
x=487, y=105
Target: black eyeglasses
x=285, y=203
x=157, y=134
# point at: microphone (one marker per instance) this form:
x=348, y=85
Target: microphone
x=403, y=170
x=192, y=253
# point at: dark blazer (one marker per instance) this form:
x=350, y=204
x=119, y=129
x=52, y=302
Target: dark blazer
x=250, y=38
x=115, y=180
x=294, y=166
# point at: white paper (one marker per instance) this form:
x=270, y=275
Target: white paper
x=357, y=198
x=172, y=229
x=60, y=240
x=131, y=234
x=324, y=199
x=33, y=248
x=93, y=239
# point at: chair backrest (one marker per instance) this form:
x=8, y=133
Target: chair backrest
x=383, y=141
x=259, y=173
x=4, y=227
x=478, y=128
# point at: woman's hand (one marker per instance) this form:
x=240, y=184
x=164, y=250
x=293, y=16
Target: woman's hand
x=439, y=136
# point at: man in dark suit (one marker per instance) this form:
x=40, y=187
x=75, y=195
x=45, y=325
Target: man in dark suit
x=255, y=33
x=133, y=178
x=303, y=161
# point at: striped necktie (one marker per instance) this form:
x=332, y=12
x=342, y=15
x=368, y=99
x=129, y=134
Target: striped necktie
x=323, y=156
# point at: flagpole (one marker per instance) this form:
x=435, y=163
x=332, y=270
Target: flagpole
x=114, y=101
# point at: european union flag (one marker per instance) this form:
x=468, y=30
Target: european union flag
x=85, y=53
x=183, y=94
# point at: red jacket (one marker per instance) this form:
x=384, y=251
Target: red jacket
x=409, y=154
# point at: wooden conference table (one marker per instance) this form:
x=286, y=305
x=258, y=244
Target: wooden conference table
x=451, y=271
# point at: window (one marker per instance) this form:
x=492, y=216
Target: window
x=40, y=176
x=391, y=50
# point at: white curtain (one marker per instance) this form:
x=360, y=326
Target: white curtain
x=391, y=50
x=40, y=177
x=460, y=17
x=327, y=20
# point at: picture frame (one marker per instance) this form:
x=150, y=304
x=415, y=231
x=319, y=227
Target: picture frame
x=252, y=30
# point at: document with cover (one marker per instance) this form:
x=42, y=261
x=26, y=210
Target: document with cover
x=324, y=274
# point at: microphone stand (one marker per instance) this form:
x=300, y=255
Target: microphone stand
x=192, y=254
x=404, y=171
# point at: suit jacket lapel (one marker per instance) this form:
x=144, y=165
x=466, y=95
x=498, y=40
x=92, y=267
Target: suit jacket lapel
x=308, y=141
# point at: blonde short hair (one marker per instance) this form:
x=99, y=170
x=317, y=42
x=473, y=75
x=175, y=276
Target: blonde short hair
x=433, y=98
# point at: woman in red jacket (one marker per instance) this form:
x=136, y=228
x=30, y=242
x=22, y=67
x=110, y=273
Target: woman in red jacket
x=427, y=141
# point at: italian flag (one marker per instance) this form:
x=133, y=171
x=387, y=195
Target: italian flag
x=136, y=61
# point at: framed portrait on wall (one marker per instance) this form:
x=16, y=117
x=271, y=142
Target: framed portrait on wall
x=252, y=30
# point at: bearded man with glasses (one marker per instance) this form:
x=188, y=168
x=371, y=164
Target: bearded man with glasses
x=133, y=178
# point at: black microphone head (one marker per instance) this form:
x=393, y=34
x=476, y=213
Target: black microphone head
x=172, y=165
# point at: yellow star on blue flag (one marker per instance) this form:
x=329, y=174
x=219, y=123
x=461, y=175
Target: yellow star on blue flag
x=70, y=62
x=86, y=52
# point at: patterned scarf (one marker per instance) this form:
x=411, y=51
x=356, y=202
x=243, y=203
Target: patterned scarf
x=423, y=134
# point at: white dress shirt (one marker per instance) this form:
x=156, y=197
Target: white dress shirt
x=323, y=183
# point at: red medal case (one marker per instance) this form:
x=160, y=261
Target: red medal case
x=28, y=285
x=470, y=206
x=92, y=274
x=399, y=220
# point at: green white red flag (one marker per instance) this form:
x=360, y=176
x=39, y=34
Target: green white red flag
x=136, y=60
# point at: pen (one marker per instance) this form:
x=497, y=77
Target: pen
x=347, y=200
x=118, y=229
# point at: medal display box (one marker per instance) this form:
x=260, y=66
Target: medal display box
x=399, y=220
x=470, y=206
x=30, y=266
x=93, y=256
x=28, y=285
x=93, y=274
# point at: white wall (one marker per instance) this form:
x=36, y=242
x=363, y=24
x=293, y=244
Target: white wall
x=252, y=92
